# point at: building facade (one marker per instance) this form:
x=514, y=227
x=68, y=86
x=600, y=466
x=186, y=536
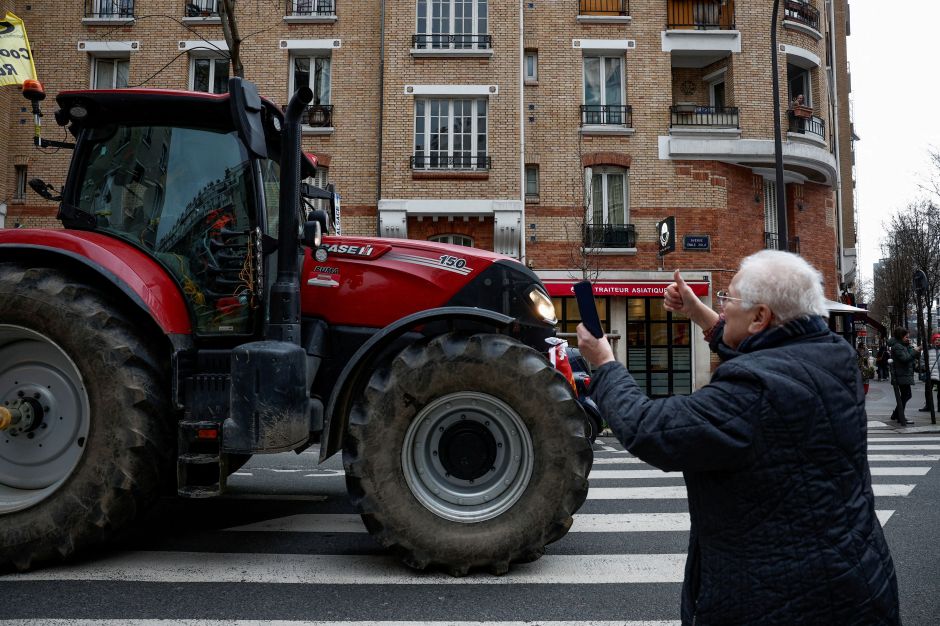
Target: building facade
x=559, y=133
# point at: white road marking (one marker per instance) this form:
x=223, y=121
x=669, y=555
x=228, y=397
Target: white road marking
x=329, y=569
x=677, y=492
x=908, y=439
x=899, y=471
x=876, y=424
x=902, y=447
x=903, y=457
x=243, y=622
x=619, y=474
x=607, y=460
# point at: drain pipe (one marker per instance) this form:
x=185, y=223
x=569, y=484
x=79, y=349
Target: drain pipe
x=522, y=118
x=834, y=95
x=378, y=160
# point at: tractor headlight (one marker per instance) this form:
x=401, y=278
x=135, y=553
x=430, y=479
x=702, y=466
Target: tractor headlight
x=544, y=309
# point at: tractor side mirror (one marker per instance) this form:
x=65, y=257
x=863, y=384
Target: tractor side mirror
x=246, y=113
x=313, y=234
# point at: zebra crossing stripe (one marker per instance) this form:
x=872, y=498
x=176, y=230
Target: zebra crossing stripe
x=631, y=474
x=921, y=458
x=899, y=471
x=583, y=523
x=346, y=569
x=677, y=492
x=903, y=447
x=607, y=460
x=911, y=438
x=228, y=622
x=876, y=424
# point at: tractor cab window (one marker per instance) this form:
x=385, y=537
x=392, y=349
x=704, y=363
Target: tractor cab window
x=184, y=195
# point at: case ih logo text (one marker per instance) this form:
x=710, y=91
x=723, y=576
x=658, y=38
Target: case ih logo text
x=350, y=250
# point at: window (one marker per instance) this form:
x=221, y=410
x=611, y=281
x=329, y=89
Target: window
x=798, y=80
x=109, y=73
x=603, y=90
x=454, y=240
x=209, y=75
x=608, y=199
x=202, y=8
x=313, y=72
x=531, y=66
x=452, y=23
x=111, y=8
x=313, y=7
x=450, y=134
x=319, y=179
x=659, y=351
x=531, y=181
x=716, y=94
x=19, y=191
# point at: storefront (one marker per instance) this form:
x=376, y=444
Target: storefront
x=659, y=348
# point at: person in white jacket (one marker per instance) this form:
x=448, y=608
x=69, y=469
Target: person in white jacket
x=933, y=381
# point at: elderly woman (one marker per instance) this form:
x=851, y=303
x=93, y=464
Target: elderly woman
x=773, y=451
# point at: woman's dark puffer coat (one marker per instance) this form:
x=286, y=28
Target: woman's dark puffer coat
x=773, y=450
x=903, y=367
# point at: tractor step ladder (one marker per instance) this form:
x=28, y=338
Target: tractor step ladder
x=201, y=468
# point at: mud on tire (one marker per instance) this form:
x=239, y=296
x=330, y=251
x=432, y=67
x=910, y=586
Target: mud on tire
x=467, y=452
x=95, y=457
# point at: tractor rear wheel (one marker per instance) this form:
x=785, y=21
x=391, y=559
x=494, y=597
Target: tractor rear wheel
x=89, y=439
x=467, y=452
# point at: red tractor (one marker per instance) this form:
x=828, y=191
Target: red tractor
x=191, y=314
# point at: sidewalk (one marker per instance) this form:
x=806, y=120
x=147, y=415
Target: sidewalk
x=880, y=402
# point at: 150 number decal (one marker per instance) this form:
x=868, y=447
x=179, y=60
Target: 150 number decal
x=452, y=261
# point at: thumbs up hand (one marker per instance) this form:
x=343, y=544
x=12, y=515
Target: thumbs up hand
x=679, y=296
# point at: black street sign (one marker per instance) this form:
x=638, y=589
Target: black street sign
x=697, y=242
x=667, y=235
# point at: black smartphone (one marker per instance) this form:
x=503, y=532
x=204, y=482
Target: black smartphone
x=584, y=294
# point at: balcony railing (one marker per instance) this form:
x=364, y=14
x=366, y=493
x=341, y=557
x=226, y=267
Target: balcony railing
x=108, y=9
x=318, y=116
x=604, y=7
x=802, y=12
x=445, y=162
x=311, y=8
x=808, y=125
x=607, y=115
x=700, y=14
x=451, y=42
x=772, y=242
x=706, y=116
x=201, y=8
x=609, y=236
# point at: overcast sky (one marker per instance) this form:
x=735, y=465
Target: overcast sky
x=896, y=94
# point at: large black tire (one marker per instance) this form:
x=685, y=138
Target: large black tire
x=467, y=452
x=104, y=441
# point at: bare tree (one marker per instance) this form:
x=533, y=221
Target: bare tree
x=232, y=36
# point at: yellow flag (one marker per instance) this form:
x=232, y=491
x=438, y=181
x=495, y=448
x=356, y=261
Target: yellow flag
x=16, y=61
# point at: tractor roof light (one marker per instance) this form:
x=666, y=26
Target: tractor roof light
x=33, y=91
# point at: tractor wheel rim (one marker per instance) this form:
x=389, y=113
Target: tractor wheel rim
x=467, y=457
x=38, y=457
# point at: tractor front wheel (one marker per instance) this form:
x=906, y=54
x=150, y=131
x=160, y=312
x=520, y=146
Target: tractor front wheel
x=467, y=452
x=88, y=439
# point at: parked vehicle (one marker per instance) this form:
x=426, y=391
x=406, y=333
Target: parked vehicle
x=191, y=314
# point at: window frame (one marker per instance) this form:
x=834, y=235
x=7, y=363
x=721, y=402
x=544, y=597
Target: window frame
x=427, y=133
x=451, y=239
x=532, y=168
x=605, y=171
x=452, y=17
x=213, y=59
x=603, y=84
x=21, y=176
x=115, y=59
x=534, y=76
x=312, y=58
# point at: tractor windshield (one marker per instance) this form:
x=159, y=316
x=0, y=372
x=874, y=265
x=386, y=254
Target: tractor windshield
x=185, y=195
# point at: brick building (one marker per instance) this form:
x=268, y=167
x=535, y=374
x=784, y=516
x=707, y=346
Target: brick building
x=556, y=132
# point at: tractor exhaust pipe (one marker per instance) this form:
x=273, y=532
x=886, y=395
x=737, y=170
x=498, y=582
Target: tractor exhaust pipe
x=284, y=324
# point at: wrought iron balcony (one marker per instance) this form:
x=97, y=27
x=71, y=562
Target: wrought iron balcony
x=772, y=242
x=464, y=161
x=201, y=8
x=704, y=116
x=607, y=114
x=802, y=12
x=451, y=42
x=604, y=7
x=807, y=125
x=109, y=9
x=609, y=236
x=700, y=14
x=318, y=116
x=311, y=8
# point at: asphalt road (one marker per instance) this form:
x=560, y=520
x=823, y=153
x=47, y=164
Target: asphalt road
x=285, y=545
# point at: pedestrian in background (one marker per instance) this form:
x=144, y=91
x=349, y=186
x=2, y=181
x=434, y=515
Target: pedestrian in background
x=774, y=455
x=933, y=375
x=903, y=357
x=881, y=361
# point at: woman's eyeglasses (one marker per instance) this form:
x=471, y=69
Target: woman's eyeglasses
x=724, y=296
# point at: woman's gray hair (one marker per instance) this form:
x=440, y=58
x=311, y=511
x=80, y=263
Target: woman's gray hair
x=785, y=282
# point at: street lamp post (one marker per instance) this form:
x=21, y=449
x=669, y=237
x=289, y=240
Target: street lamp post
x=778, y=142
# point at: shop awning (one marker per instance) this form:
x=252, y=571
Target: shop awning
x=838, y=307
x=625, y=289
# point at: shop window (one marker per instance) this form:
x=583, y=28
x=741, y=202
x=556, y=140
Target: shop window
x=566, y=310
x=454, y=240
x=659, y=350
